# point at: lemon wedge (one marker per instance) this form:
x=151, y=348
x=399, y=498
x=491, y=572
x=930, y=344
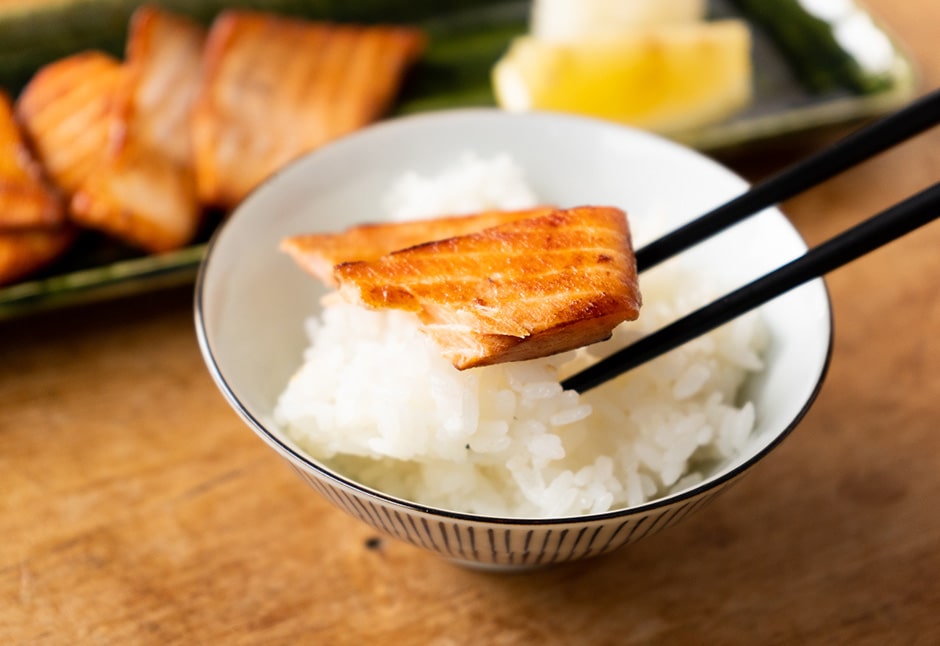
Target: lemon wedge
x=669, y=79
x=571, y=20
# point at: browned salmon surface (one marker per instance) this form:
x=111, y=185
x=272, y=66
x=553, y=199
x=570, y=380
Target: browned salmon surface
x=26, y=251
x=65, y=109
x=275, y=88
x=163, y=62
x=140, y=197
x=26, y=199
x=318, y=253
x=520, y=290
x=143, y=188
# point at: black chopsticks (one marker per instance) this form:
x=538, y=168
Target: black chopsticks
x=844, y=154
x=887, y=226
x=879, y=230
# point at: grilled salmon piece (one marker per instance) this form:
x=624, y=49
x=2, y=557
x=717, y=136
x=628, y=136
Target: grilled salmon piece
x=33, y=228
x=163, y=76
x=140, y=197
x=65, y=109
x=26, y=199
x=525, y=289
x=318, y=253
x=274, y=88
x=26, y=251
x=143, y=190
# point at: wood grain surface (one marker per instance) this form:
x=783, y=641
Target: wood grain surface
x=136, y=508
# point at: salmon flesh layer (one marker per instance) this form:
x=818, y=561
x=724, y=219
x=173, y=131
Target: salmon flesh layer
x=525, y=288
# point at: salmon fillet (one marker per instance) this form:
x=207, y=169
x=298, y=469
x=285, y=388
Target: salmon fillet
x=520, y=290
x=34, y=230
x=64, y=110
x=275, y=88
x=143, y=190
x=163, y=60
x=26, y=199
x=318, y=253
x=26, y=251
x=140, y=197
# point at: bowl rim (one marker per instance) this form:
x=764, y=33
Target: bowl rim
x=321, y=471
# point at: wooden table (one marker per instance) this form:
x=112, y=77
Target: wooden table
x=135, y=507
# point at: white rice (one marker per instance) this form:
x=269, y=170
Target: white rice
x=375, y=400
x=471, y=184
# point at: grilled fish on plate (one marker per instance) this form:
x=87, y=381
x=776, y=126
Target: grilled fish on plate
x=26, y=199
x=163, y=76
x=140, y=197
x=143, y=189
x=26, y=251
x=65, y=110
x=33, y=228
x=275, y=88
x=524, y=289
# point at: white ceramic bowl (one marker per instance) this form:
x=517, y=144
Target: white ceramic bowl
x=251, y=301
